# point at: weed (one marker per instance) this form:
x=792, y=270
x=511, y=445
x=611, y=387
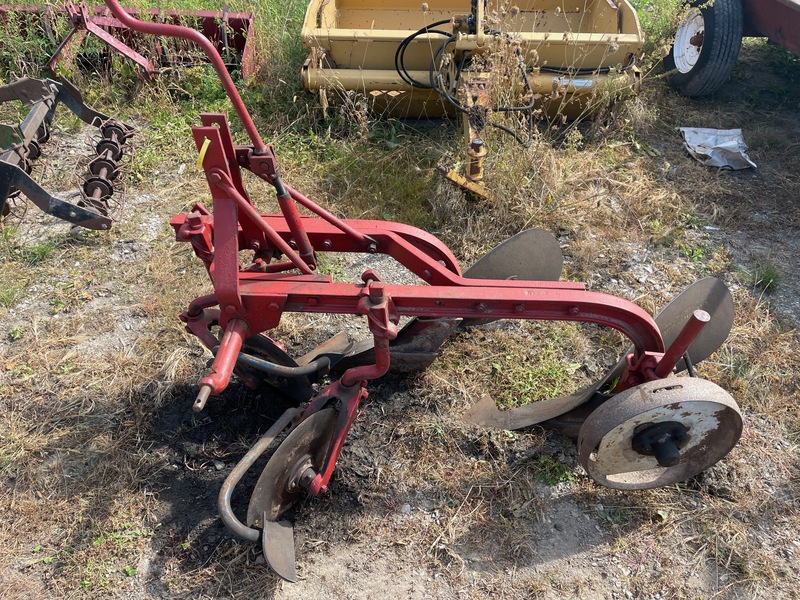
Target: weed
x=551, y=471
x=37, y=253
x=766, y=277
x=9, y=296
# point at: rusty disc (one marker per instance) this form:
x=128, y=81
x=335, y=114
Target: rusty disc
x=278, y=487
x=707, y=414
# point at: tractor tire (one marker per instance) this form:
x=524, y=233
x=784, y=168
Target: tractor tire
x=706, y=47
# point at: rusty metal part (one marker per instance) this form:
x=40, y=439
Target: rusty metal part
x=277, y=544
x=247, y=461
x=699, y=423
x=778, y=20
x=709, y=295
x=281, y=482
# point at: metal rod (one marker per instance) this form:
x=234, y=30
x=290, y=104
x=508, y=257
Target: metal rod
x=682, y=343
x=242, y=204
x=225, y=493
x=210, y=51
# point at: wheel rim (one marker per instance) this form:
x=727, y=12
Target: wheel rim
x=609, y=443
x=689, y=41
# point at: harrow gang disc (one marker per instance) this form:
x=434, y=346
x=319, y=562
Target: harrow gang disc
x=278, y=486
x=610, y=440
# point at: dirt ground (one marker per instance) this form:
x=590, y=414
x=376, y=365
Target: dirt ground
x=128, y=509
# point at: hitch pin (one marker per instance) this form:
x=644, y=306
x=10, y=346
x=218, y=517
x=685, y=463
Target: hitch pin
x=683, y=341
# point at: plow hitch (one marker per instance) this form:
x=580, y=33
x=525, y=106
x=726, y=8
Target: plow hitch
x=644, y=424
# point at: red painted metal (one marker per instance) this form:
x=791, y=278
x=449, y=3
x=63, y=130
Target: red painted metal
x=232, y=33
x=778, y=20
x=678, y=348
x=280, y=277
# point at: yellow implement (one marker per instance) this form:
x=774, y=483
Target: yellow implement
x=539, y=58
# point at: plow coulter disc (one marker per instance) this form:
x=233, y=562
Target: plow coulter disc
x=659, y=433
x=281, y=484
x=530, y=255
x=279, y=487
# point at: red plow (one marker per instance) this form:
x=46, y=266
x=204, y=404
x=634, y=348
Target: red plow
x=641, y=426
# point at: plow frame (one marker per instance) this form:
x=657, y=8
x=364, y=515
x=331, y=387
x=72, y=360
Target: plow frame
x=251, y=293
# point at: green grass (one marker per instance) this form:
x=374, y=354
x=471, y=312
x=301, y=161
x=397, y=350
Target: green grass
x=766, y=277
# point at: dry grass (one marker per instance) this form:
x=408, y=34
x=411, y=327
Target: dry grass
x=108, y=484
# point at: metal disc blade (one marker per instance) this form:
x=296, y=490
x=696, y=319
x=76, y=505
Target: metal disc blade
x=708, y=294
x=277, y=488
x=530, y=255
x=277, y=543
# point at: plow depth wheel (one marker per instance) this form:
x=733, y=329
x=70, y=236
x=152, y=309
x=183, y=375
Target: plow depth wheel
x=659, y=433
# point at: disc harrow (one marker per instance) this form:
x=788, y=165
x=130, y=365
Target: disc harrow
x=640, y=426
x=21, y=146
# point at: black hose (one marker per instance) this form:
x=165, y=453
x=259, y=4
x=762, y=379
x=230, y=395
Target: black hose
x=399, y=55
x=248, y=360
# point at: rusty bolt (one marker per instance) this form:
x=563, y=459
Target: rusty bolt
x=480, y=307
x=519, y=309
x=574, y=310
x=273, y=306
x=255, y=245
x=372, y=248
x=307, y=477
x=327, y=244
x=292, y=244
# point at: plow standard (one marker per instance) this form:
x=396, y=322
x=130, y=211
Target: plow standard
x=639, y=427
